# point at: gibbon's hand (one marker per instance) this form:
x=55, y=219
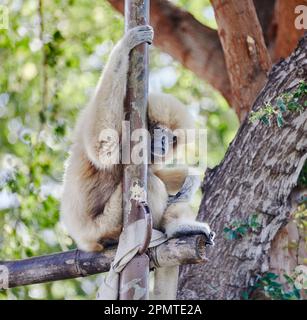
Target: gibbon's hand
x=139, y=35
x=210, y=239
x=195, y=228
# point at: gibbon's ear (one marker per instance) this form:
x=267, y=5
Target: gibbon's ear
x=167, y=110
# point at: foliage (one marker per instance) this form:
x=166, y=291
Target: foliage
x=200, y=9
x=238, y=229
x=287, y=102
x=302, y=180
x=274, y=289
x=50, y=61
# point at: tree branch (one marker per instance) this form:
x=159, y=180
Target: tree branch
x=265, y=13
x=246, y=55
x=257, y=176
x=76, y=263
x=135, y=175
x=194, y=45
x=287, y=36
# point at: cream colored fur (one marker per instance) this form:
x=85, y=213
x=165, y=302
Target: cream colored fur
x=91, y=206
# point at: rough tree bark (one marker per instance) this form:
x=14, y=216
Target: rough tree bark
x=246, y=55
x=135, y=175
x=169, y=21
x=257, y=175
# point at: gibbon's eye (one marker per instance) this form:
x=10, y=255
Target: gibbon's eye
x=163, y=144
x=162, y=140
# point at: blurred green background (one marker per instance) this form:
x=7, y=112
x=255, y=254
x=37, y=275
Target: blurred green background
x=50, y=60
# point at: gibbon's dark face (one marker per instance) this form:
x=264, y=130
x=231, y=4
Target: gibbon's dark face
x=162, y=140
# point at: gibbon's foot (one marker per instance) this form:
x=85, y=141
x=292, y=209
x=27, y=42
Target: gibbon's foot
x=91, y=247
x=194, y=228
x=139, y=35
x=108, y=243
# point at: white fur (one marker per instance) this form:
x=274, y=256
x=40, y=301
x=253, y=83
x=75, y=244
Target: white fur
x=91, y=206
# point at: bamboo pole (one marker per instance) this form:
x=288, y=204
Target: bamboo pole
x=76, y=263
x=136, y=272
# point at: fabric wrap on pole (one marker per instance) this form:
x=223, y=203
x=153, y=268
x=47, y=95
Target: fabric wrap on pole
x=128, y=246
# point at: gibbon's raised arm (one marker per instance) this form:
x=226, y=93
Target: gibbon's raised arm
x=105, y=110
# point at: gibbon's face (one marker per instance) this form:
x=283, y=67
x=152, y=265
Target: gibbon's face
x=162, y=140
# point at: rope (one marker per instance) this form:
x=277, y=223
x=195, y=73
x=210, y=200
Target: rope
x=129, y=243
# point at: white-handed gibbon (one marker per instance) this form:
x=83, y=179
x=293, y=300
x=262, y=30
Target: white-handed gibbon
x=91, y=206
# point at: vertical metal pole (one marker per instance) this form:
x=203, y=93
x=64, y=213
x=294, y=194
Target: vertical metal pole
x=134, y=279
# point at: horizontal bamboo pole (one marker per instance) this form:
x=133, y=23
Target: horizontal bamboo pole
x=76, y=263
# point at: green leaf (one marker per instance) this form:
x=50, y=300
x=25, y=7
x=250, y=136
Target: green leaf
x=230, y=234
x=57, y=36
x=271, y=276
x=245, y=295
x=265, y=120
x=242, y=230
x=294, y=106
x=253, y=223
x=289, y=279
x=281, y=105
x=42, y=117
x=280, y=120
x=297, y=293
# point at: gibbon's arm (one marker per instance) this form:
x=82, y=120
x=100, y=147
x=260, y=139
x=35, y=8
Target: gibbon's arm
x=105, y=111
x=173, y=178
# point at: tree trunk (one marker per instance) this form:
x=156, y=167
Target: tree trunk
x=287, y=35
x=257, y=176
x=246, y=55
x=182, y=36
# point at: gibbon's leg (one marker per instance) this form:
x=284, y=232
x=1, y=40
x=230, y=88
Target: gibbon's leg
x=179, y=220
x=157, y=198
x=165, y=283
x=91, y=233
x=165, y=279
x=101, y=122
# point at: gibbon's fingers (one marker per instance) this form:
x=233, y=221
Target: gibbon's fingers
x=210, y=241
x=187, y=228
x=143, y=28
x=194, y=229
x=139, y=35
x=146, y=37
